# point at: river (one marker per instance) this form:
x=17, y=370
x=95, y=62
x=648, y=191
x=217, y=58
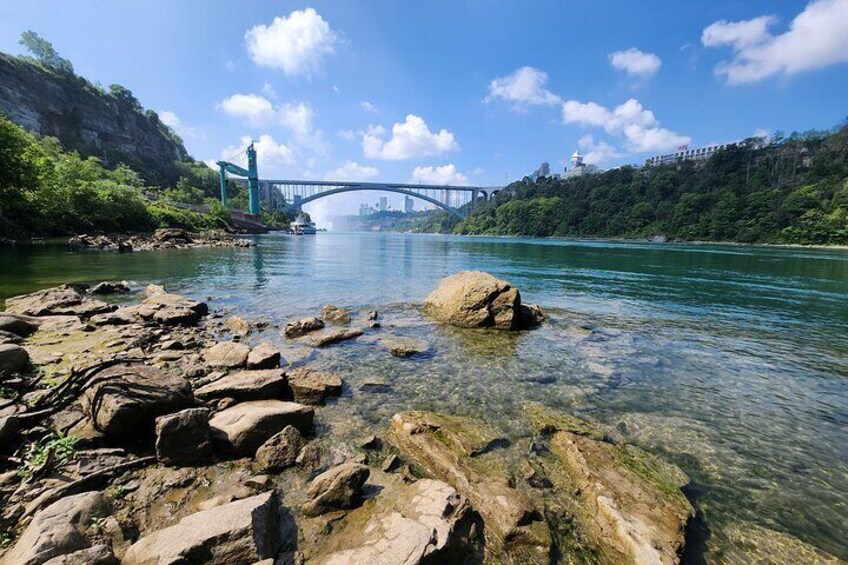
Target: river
x=730, y=361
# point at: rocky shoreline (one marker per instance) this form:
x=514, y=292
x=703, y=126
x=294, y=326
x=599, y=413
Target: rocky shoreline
x=156, y=431
x=163, y=238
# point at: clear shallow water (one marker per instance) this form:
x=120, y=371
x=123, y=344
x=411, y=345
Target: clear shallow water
x=732, y=361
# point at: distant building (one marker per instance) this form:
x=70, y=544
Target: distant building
x=544, y=170
x=384, y=204
x=578, y=167
x=685, y=154
x=365, y=210
x=408, y=204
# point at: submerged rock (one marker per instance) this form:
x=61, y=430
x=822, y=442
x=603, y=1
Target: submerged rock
x=243, y=428
x=126, y=398
x=245, y=531
x=58, y=529
x=339, y=488
x=750, y=543
x=335, y=315
x=184, y=438
x=302, y=327
x=474, y=299
x=334, y=336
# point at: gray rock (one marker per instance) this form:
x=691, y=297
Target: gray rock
x=227, y=354
x=178, y=235
x=176, y=316
x=241, y=429
x=17, y=325
x=120, y=317
x=474, y=299
x=302, y=327
x=263, y=356
x=13, y=358
x=244, y=531
x=331, y=337
x=8, y=431
x=61, y=300
x=95, y=555
x=313, y=387
x=335, y=315
x=338, y=488
x=58, y=529
x=184, y=438
x=125, y=399
x=281, y=450
x=246, y=385
x=106, y=287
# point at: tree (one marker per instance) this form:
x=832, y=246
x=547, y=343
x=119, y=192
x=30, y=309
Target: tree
x=125, y=96
x=44, y=52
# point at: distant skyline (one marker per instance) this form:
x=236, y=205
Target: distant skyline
x=455, y=92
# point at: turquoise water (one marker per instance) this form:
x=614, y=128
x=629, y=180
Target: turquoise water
x=730, y=361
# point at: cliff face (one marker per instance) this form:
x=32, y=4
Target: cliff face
x=87, y=120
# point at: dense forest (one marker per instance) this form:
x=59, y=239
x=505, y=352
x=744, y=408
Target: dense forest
x=780, y=190
x=48, y=188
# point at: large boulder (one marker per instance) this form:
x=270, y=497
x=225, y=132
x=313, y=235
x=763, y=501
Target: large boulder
x=280, y=450
x=58, y=529
x=13, y=358
x=246, y=385
x=241, y=532
x=263, y=356
x=458, y=451
x=474, y=299
x=313, y=387
x=61, y=300
x=243, y=428
x=411, y=524
x=125, y=399
x=9, y=426
x=21, y=326
x=303, y=326
x=227, y=354
x=184, y=438
x=339, y=488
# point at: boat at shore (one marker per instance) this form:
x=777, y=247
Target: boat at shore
x=302, y=225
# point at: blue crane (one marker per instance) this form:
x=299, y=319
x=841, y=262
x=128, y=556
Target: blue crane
x=252, y=180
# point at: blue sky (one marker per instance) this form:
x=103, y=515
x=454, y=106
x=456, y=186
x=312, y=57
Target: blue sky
x=459, y=92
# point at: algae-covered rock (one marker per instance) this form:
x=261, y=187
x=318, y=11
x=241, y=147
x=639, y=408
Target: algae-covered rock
x=754, y=545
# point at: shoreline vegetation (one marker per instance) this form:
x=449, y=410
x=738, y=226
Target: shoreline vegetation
x=157, y=428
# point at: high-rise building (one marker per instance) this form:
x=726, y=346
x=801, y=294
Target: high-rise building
x=383, y=204
x=408, y=204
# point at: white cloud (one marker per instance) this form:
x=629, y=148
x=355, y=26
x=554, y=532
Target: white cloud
x=272, y=158
x=636, y=124
x=259, y=112
x=596, y=152
x=526, y=86
x=369, y=107
x=444, y=175
x=296, y=44
x=409, y=139
x=169, y=118
x=816, y=38
x=268, y=90
x=173, y=121
x=635, y=62
x=352, y=171
x=256, y=110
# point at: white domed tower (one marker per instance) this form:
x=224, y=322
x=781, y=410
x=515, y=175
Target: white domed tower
x=576, y=160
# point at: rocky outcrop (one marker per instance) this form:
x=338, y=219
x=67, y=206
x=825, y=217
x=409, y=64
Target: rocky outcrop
x=244, y=531
x=13, y=358
x=57, y=301
x=302, y=327
x=280, y=450
x=425, y=522
x=58, y=529
x=243, y=428
x=246, y=385
x=313, y=387
x=263, y=356
x=339, y=488
x=474, y=299
x=184, y=438
x=126, y=398
x=227, y=354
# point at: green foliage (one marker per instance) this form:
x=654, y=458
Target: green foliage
x=56, y=447
x=125, y=97
x=794, y=190
x=44, y=52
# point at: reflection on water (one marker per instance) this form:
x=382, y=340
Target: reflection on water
x=732, y=361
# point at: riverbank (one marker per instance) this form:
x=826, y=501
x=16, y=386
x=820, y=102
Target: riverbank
x=263, y=417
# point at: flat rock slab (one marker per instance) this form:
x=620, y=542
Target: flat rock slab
x=62, y=300
x=331, y=337
x=227, y=354
x=245, y=531
x=263, y=356
x=246, y=385
x=126, y=398
x=302, y=327
x=313, y=387
x=243, y=428
x=58, y=529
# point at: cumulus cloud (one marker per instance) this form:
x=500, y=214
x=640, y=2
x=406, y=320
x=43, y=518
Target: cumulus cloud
x=296, y=44
x=272, y=158
x=596, y=152
x=256, y=110
x=259, y=112
x=173, y=121
x=636, y=124
x=524, y=87
x=444, y=175
x=635, y=62
x=409, y=139
x=369, y=107
x=352, y=171
x=816, y=38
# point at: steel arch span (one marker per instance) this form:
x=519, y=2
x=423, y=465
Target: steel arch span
x=344, y=189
